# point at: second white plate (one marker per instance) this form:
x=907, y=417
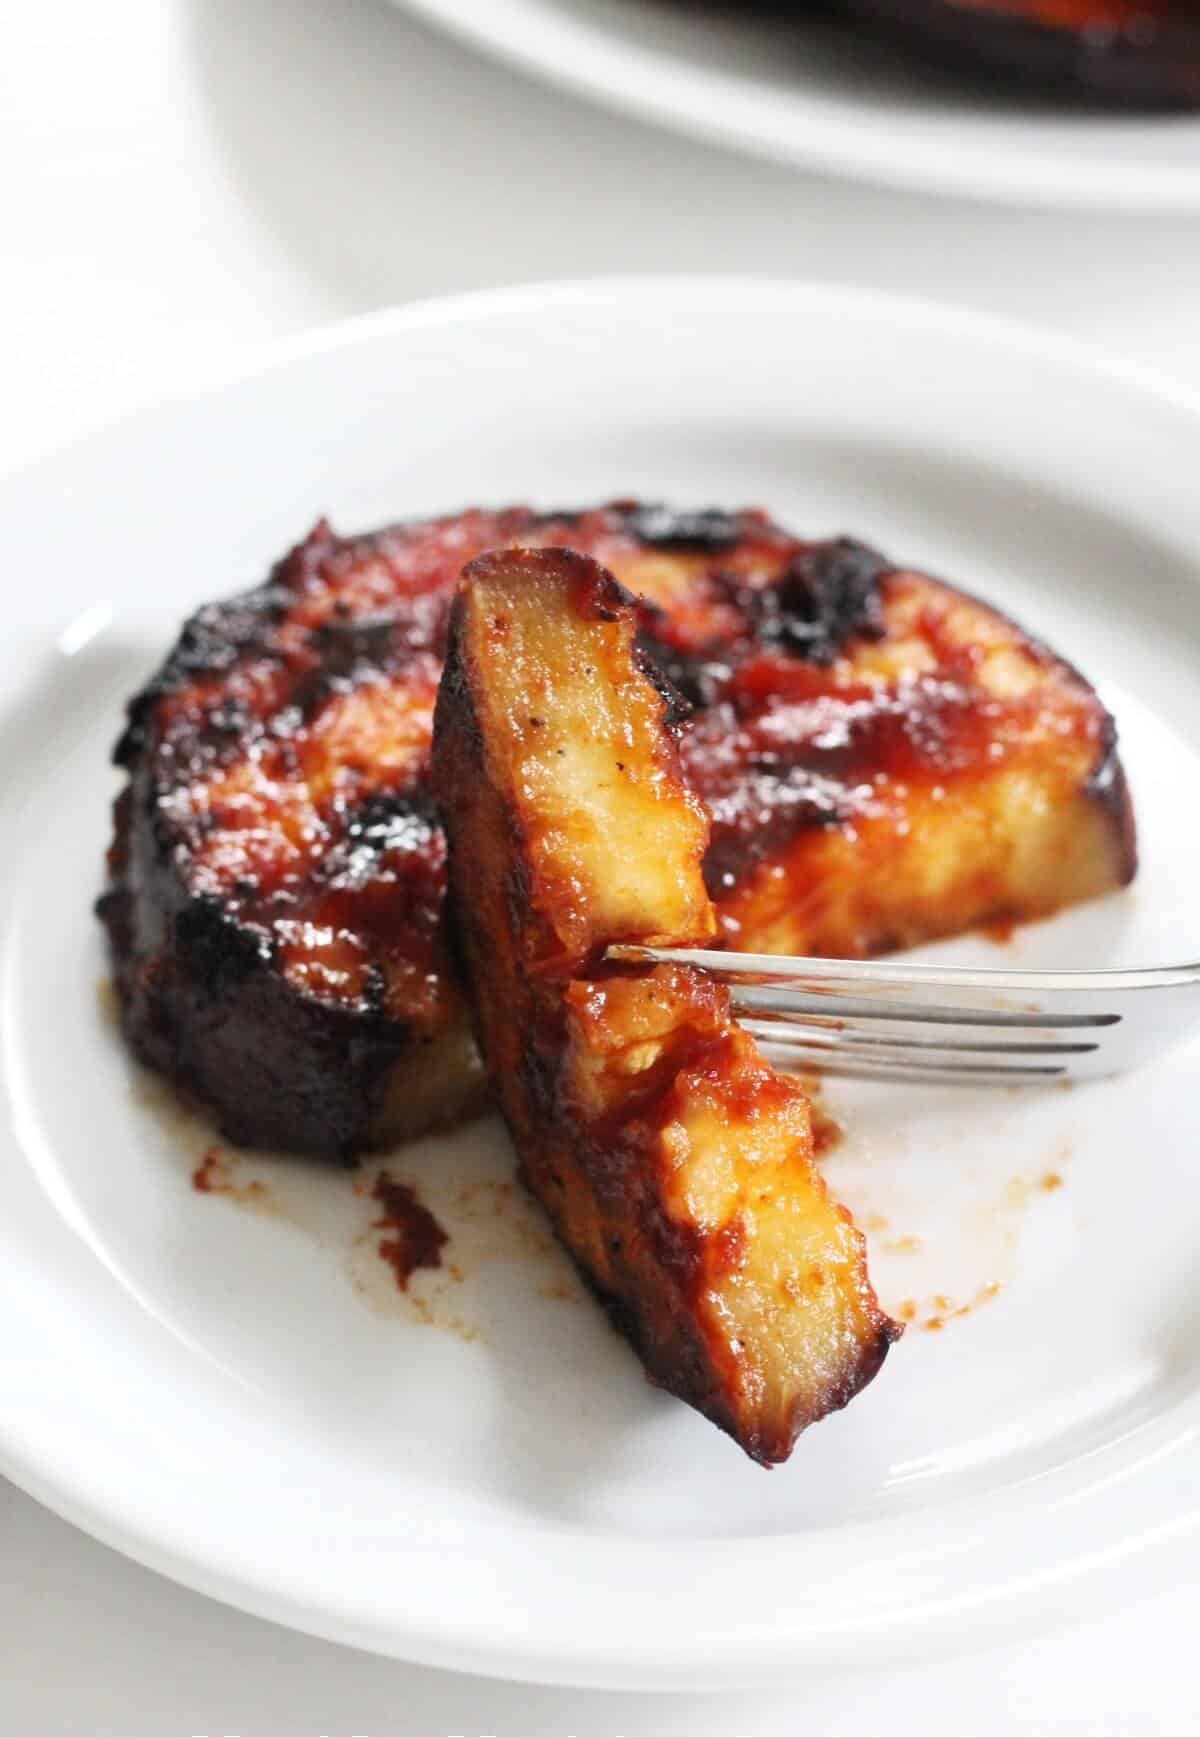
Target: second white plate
x=797, y=90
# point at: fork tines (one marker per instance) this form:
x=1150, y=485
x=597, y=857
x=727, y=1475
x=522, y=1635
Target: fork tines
x=925, y=1024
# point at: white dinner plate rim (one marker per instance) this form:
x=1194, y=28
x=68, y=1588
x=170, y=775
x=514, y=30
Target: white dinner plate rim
x=77, y=1499
x=646, y=86
x=219, y=375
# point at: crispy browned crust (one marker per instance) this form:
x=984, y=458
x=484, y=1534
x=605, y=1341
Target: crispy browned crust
x=943, y=773
x=674, y=1163
x=277, y=875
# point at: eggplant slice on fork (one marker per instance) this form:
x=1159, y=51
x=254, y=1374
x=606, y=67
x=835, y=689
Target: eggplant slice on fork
x=674, y=1163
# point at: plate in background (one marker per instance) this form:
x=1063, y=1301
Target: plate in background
x=826, y=97
x=478, y=1476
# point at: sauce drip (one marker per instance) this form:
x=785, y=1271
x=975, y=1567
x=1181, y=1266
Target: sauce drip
x=416, y=1239
x=210, y=1176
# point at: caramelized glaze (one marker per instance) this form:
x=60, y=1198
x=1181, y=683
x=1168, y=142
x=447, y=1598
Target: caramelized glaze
x=277, y=878
x=675, y=1164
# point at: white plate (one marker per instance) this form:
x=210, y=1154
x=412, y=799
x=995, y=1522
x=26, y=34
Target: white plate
x=825, y=97
x=237, y=1398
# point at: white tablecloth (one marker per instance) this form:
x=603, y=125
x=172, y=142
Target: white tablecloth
x=183, y=179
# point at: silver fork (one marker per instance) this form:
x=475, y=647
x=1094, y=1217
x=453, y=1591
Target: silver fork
x=943, y=1025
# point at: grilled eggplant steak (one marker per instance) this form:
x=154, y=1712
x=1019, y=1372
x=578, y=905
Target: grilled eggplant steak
x=883, y=761
x=1138, y=54
x=675, y=1164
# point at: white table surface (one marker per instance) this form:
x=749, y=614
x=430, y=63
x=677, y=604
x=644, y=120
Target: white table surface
x=182, y=180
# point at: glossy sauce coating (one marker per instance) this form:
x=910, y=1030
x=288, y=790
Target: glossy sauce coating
x=674, y=1162
x=288, y=734
x=277, y=877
